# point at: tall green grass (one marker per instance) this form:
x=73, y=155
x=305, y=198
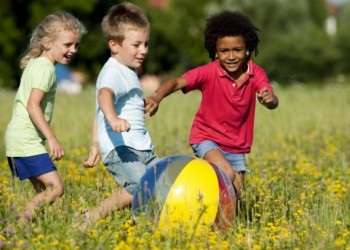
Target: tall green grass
x=296, y=194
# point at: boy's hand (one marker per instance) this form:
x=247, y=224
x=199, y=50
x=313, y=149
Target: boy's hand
x=267, y=98
x=120, y=125
x=94, y=157
x=151, y=106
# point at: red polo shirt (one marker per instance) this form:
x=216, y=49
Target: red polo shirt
x=226, y=112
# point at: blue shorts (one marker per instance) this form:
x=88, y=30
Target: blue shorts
x=237, y=160
x=128, y=165
x=31, y=166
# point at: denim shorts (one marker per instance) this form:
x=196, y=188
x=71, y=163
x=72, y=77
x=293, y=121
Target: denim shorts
x=237, y=160
x=127, y=165
x=31, y=166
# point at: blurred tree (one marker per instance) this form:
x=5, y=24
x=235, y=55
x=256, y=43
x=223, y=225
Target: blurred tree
x=318, y=12
x=17, y=24
x=343, y=40
x=294, y=45
x=291, y=36
x=9, y=43
x=176, y=35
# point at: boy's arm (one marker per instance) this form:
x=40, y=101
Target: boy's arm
x=168, y=87
x=105, y=101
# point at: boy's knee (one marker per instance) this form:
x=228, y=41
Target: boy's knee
x=231, y=174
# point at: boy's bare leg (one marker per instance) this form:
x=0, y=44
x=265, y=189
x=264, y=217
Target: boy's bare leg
x=239, y=183
x=117, y=200
x=217, y=158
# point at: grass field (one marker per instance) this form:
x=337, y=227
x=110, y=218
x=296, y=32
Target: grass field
x=297, y=193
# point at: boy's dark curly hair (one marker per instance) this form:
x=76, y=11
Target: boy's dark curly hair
x=230, y=23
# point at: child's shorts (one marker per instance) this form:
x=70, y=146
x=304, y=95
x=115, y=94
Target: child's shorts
x=31, y=166
x=128, y=165
x=237, y=160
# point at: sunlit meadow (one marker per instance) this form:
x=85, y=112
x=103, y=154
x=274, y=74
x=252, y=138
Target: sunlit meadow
x=296, y=197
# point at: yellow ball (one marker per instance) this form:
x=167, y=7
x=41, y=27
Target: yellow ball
x=183, y=192
x=193, y=197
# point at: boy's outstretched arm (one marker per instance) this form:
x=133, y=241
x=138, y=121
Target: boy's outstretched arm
x=167, y=88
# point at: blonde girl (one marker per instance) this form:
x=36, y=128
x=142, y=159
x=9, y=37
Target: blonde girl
x=54, y=40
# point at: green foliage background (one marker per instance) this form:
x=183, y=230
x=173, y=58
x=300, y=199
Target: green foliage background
x=294, y=45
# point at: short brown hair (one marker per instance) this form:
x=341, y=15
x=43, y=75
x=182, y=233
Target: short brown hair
x=121, y=17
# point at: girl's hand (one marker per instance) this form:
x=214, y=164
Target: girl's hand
x=56, y=149
x=94, y=157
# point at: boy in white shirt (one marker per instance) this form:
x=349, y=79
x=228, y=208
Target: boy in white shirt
x=124, y=143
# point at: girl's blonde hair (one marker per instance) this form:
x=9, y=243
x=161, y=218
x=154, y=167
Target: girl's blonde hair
x=49, y=28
